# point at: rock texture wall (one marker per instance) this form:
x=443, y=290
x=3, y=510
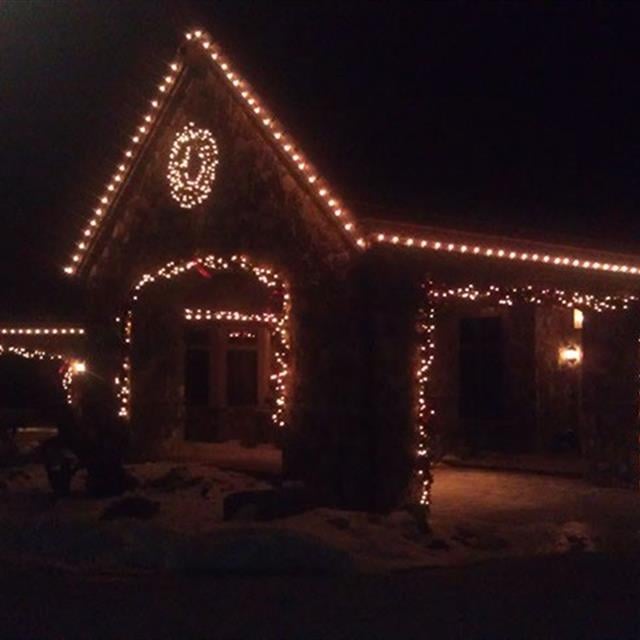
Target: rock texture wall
x=558, y=387
x=610, y=397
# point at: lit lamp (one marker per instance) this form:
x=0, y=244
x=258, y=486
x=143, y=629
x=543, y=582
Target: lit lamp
x=578, y=319
x=570, y=356
x=79, y=366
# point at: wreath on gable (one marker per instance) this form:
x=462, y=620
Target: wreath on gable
x=192, y=166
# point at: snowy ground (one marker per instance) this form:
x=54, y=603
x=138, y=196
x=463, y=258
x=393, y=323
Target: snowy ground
x=175, y=522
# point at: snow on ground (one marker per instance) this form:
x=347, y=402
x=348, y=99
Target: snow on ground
x=174, y=519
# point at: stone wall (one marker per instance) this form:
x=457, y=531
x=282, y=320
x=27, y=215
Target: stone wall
x=352, y=388
x=610, y=397
x=558, y=386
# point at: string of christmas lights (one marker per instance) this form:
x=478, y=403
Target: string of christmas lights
x=192, y=146
x=238, y=263
x=278, y=324
x=229, y=316
x=22, y=331
x=510, y=295
x=274, y=130
x=503, y=253
x=492, y=294
x=123, y=169
x=306, y=170
x=69, y=369
x=425, y=413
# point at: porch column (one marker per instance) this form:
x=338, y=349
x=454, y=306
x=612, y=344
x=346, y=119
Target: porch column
x=325, y=444
x=611, y=384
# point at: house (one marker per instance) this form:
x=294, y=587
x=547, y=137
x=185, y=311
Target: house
x=234, y=296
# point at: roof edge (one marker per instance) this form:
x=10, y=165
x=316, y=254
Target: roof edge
x=499, y=247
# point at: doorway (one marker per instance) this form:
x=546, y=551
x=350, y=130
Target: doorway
x=226, y=383
x=482, y=383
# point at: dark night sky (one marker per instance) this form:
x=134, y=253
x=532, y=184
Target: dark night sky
x=500, y=117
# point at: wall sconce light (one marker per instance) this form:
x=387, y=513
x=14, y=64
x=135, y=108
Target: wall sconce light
x=79, y=366
x=578, y=319
x=570, y=356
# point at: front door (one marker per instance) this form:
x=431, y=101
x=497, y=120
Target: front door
x=482, y=382
x=227, y=382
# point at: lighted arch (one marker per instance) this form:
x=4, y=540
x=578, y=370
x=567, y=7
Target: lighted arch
x=239, y=264
x=71, y=367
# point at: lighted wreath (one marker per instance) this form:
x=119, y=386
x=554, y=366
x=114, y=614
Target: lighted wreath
x=192, y=166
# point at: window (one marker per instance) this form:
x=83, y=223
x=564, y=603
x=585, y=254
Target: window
x=482, y=374
x=196, y=388
x=242, y=377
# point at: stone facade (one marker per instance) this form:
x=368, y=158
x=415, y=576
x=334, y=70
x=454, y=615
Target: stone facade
x=352, y=388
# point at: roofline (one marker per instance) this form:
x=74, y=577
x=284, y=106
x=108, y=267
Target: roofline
x=498, y=247
x=273, y=131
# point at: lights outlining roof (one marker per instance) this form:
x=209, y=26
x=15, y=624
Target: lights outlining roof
x=274, y=131
x=42, y=331
x=506, y=253
x=272, y=128
x=287, y=145
x=123, y=169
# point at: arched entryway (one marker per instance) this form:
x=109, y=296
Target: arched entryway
x=36, y=391
x=206, y=354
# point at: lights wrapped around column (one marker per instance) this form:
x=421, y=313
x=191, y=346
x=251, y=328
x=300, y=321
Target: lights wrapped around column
x=425, y=412
x=280, y=321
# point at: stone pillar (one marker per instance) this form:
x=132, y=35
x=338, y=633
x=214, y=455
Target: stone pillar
x=156, y=372
x=610, y=397
x=325, y=444
x=393, y=299
x=352, y=437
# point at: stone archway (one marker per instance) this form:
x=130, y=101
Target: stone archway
x=151, y=384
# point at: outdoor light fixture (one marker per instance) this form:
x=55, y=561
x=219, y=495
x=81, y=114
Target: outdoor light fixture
x=79, y=366
x=578, y=319
x=570, y=356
